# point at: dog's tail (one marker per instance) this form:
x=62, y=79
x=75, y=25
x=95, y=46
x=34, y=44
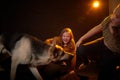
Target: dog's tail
x=5, y=51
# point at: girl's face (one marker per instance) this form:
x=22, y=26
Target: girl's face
x=66, y=37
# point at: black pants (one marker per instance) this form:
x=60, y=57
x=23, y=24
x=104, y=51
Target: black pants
x=89, y=51
x=101, y=55
x=107, y=68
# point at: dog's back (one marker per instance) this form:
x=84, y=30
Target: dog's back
x=10, y=39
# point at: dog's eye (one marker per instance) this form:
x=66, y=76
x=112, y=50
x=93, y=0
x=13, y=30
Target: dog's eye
x=56, y=55
x=61, y=53
x=58, y=51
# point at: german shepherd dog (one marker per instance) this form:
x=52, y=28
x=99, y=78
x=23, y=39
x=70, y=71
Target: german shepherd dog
x=29, y=50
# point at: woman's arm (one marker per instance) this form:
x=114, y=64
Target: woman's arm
x=89, y=34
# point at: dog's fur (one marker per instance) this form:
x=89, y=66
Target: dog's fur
x=27, y=49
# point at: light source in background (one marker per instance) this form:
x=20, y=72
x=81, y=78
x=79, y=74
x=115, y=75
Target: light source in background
x=94, y=6
x=96, y=3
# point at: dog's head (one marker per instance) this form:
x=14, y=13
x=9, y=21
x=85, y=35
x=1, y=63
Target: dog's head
x=49, y=53
x=58, y=53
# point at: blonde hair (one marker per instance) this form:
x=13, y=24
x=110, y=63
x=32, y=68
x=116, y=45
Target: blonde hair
x=116, y=11
x=67, y=30
x=71, y=43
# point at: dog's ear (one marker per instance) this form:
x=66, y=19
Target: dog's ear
x=53, y=42
x=52, y=46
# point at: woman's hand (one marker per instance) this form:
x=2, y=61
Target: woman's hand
x=79, y=42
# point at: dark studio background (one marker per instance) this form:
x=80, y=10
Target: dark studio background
x=46, y=18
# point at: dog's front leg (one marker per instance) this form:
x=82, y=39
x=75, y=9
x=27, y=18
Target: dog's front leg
x=14, y=65
x=35, y=73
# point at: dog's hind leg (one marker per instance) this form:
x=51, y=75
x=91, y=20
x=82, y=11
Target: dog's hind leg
x=35, y=73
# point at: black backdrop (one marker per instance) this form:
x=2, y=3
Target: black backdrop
x=46, y=18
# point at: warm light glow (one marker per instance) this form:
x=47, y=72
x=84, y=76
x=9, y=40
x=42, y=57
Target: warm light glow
x=96, y=4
